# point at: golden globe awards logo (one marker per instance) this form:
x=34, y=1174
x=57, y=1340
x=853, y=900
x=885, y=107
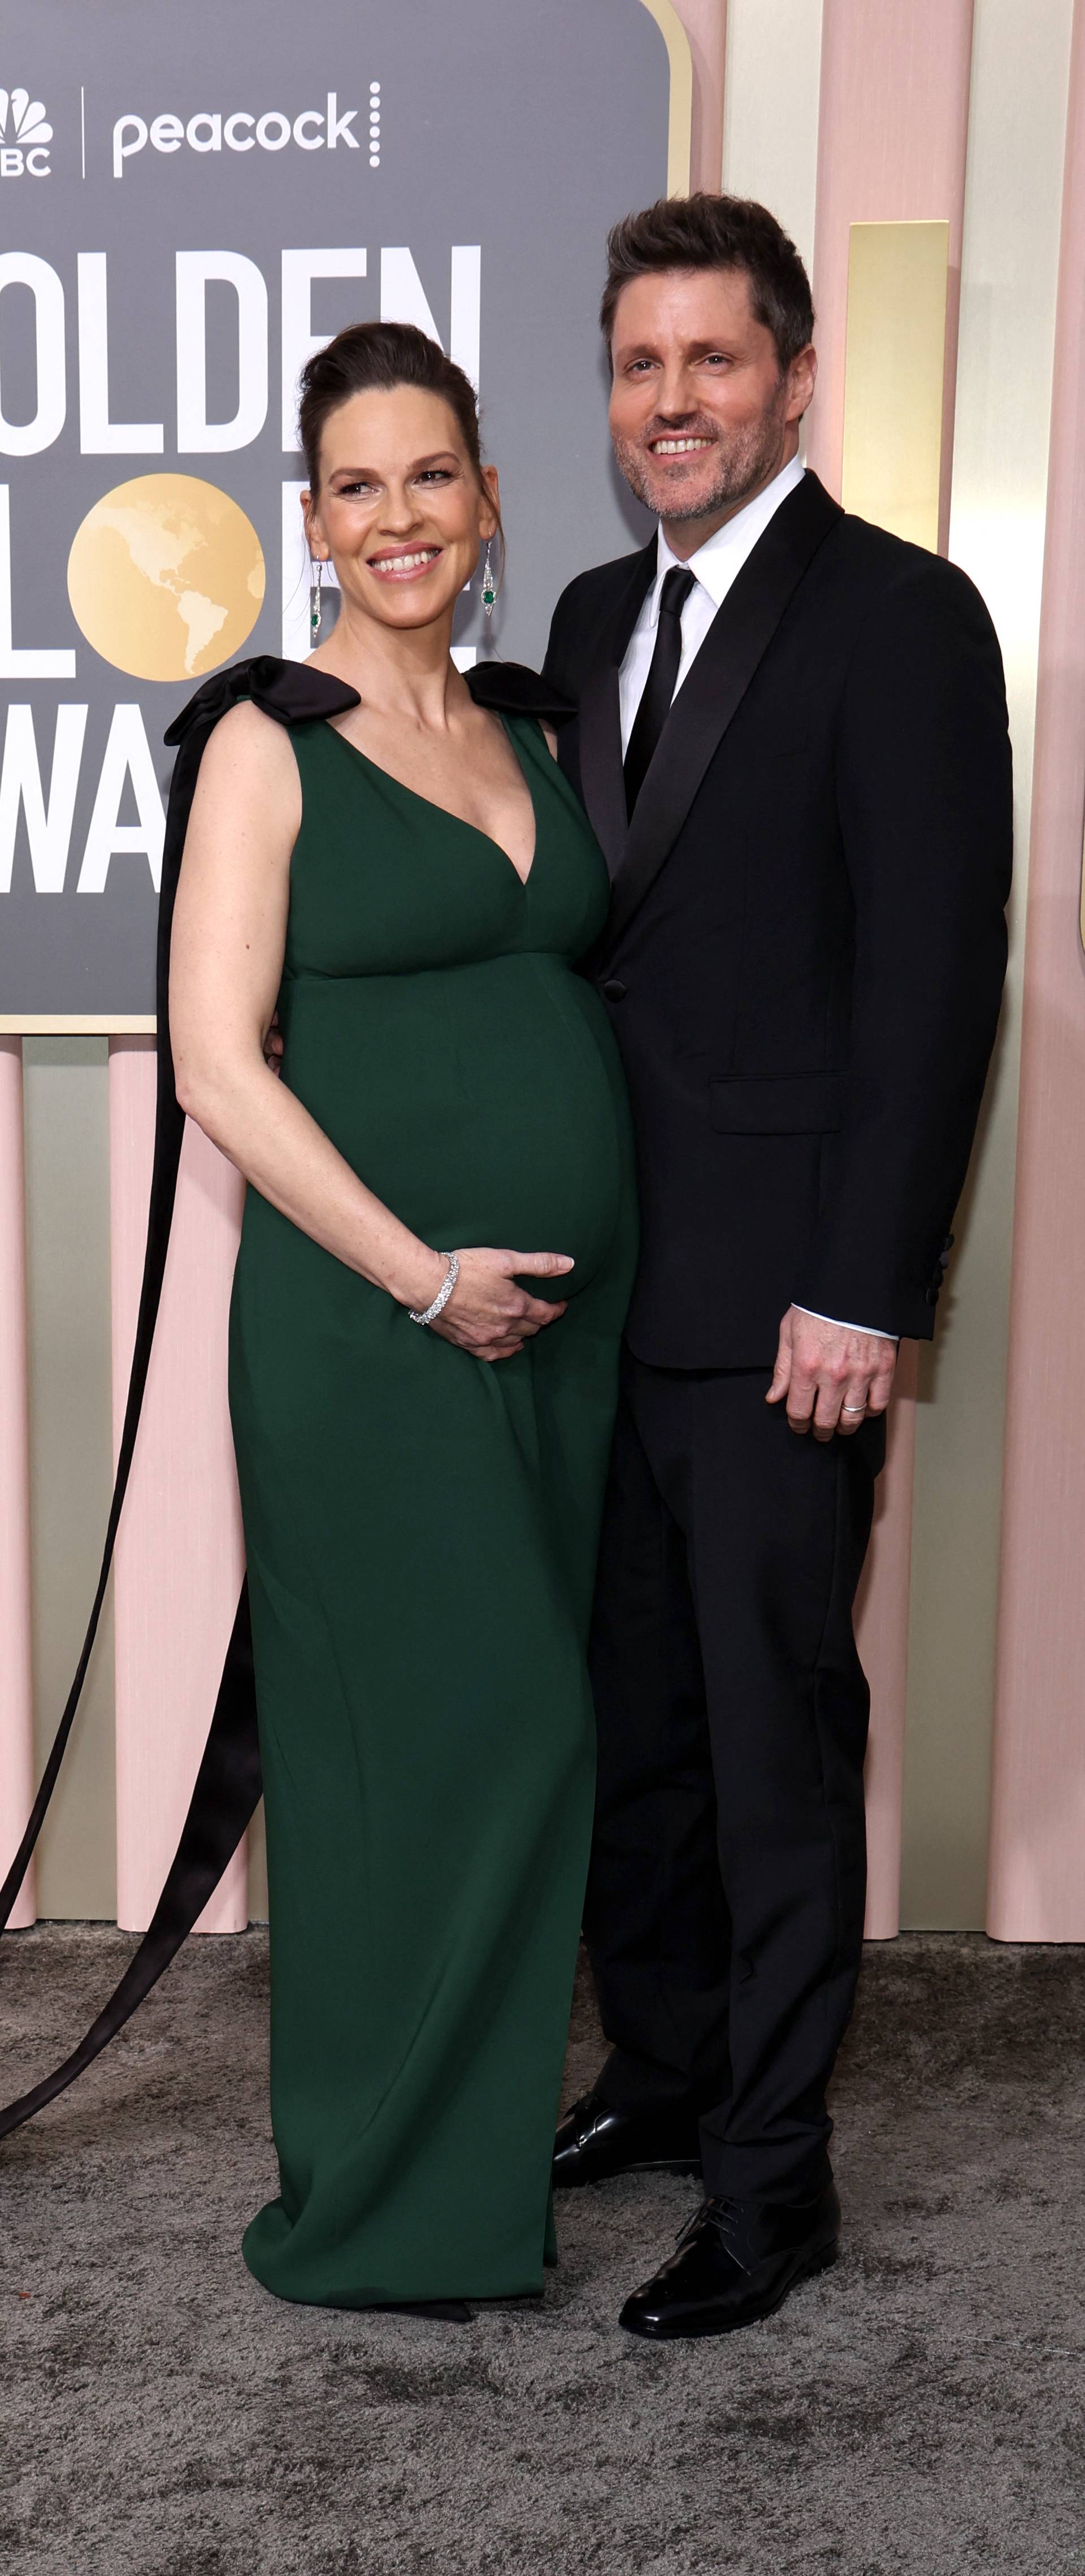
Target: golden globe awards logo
x=25, y=136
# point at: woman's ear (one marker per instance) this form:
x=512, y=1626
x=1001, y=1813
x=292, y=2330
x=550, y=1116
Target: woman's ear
x=317, y=544
x=489, y=516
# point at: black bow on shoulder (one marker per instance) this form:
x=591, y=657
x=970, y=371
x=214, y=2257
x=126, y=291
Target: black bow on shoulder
x=228, y=1783
x=296, y=694
x=291, y=691
x=510, y=689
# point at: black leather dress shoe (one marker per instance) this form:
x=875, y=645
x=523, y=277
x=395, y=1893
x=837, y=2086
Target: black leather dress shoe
x=593, y=2142
x=735, y=2262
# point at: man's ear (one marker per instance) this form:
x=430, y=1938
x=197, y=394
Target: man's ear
x=802, y=377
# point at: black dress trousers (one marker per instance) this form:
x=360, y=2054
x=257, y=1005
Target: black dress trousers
x=724, y=1914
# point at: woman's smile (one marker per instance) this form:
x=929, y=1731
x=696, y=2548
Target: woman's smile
x=404, y=563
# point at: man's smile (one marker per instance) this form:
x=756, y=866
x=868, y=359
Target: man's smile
x=683, y=445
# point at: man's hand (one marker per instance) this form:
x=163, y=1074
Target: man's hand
x=273, y=1046
x=830, y=1377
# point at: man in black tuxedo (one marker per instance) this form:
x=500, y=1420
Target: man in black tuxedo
x=791, y=738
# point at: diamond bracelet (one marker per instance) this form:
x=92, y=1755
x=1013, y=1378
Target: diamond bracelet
x=443, y=1294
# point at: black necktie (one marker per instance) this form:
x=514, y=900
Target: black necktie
x=654, y=708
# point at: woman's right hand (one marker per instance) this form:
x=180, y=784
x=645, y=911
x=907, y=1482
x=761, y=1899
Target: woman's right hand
x=487, y=1313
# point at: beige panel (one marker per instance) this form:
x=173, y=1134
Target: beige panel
x=1037, y=1881
x=894, y=374
x=770, y=110
x=68, y=1293
x=1011, y=232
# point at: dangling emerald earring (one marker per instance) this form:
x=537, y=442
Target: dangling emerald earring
x=489, y=592
x=316, y=605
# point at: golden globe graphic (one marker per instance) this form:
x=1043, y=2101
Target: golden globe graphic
x=166, y=577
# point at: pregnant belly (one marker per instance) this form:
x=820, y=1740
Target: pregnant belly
x=484, y=1104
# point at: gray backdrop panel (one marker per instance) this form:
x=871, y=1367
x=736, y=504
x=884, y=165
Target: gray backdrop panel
x=523, y=128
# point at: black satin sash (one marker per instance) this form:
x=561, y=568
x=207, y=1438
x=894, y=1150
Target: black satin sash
x=228, y=1784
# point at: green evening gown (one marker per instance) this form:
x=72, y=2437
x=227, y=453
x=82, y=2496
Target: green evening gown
x=421, y=1532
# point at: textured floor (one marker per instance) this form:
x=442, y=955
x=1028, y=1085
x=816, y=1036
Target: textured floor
x=919, y=2412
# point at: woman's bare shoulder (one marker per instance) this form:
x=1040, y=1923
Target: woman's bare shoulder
x=247, y=801
x=247, y=738
x=249, y=764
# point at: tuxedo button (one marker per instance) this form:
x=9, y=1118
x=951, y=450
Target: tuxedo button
x=615, y=992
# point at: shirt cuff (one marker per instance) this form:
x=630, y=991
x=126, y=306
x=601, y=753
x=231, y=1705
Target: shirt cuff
x=876, y=1329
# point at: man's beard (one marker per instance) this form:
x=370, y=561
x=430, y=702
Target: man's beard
x=743, y=461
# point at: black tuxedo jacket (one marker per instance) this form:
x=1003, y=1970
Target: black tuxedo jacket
x=806, y=944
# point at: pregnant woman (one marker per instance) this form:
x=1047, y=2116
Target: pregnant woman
x=435, y=1263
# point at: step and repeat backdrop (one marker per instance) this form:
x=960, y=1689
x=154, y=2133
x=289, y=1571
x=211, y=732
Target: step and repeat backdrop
x=188, y=200
x=192, y=199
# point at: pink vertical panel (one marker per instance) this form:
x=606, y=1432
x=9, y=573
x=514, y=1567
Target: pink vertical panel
x=705, y=23
x=1037, y=1855
x=882, y=1628
x=180, y=1559
x=892, y=140
x=16, y=1705
x=891, y=148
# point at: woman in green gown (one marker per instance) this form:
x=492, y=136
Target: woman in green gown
x=409, y=881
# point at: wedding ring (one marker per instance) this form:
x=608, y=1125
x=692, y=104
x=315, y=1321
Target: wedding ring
x=853, y=1408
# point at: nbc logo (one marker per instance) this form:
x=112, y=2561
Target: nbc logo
x=24, y=135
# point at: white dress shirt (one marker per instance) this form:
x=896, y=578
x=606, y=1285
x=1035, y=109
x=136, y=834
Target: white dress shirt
x=714, y=567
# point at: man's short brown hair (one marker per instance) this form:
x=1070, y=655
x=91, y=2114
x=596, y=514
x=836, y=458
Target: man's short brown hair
x=706, y=231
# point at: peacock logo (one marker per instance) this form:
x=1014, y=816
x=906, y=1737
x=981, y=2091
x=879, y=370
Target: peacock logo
x=25, y=135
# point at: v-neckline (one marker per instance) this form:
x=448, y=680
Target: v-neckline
x=433, y=808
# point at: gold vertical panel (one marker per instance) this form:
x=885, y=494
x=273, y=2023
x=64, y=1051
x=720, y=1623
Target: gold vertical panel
x=680, y=123
x=894, y=376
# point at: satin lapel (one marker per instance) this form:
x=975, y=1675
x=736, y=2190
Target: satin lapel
x=739, y=635
x=600, y=721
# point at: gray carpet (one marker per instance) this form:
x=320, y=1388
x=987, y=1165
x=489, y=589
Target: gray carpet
x=918, y=2412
